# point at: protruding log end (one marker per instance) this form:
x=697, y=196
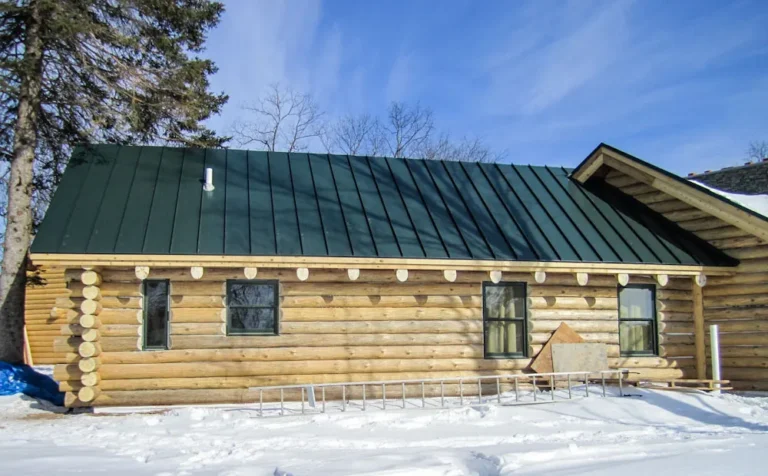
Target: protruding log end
x=302, y=274
x=90, y=364
x=582, y=279
x=142, y=272
x=89, y=349
x=196, y=272
x=700, y=280
x=623, y=278
x=88, y=394
x=91, y=292
x=353, y=273
x=540, y=277
x=250, y=273
x=450, y=275
x=662, y=279
x=89, y=306
x=89, y=321
x=90, y=379
x=90, y=278
x=90, y=335
x=495, y=276
x=402, y=275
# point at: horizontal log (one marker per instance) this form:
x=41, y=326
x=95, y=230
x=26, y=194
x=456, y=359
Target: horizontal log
x=199, y=329
x=652, y=197
x=121, y=316
x=676, y=327
x=739, y=242
x=673, y=373
x=729, y=231
x=744, y=339
x=106, y=302
x=194, y=314
x=744, y=362
x=677, y=350
x=651, y=363
x=296, y=353
x=741, y=326
x=674, y=295
x=749, y=385
x=753, y=266
x=740, y=300
x=714, y=315
x=380, y=301
x=736, y=373
x=376, y=327
x=313, y=340
x=571, y=314
x=239, y=369
x=735, y=290
x=574, y=291
x=740, y=278
x=742, y=351
x=668, y=206
x=686, y=214
x=749, y=252
x=108, y=290
x=702, y=224
x=592, y=337
x=197, y=301
x=361, y=289
x=572, y=303
x=578, y=326
x=378, y=314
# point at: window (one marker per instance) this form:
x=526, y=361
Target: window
x=252, y=308
x=504, y=320
x=637, y=320
x=155, y=314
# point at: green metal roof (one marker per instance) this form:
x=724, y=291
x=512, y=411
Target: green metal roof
x=133, y=200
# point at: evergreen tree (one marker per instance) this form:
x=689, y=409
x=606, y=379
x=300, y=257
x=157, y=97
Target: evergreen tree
x=81, y=71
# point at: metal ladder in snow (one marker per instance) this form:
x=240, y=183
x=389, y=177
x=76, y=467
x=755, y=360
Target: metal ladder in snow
x=524, y=389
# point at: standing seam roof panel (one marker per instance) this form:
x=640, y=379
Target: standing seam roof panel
x=287, y=233
x=358, y=229
x=618, y=243
x=434, y=204
x=381, y=229
x=187, y=216
x=507, y=223
x=262, y=218
x=334, y=227
x=81, y=224
x=237, y=232
x=157, y=239
x=213, y=206
x=410, y=245
x=307, y=211
x=480, y=214
x=519, y=212
x=466, y=225
x=115, y=199
x=423, y=223
x=130, y=239
x=580, y=218
x=549, y=227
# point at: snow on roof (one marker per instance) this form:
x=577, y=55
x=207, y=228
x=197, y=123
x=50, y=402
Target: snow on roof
x=756, y=203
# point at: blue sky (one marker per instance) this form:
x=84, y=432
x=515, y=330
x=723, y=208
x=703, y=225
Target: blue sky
x=682, y=84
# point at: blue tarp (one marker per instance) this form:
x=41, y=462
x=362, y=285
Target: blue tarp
x=24, y=379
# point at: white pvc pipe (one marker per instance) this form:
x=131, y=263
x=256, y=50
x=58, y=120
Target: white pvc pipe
x=208, y=186
x=715, y=347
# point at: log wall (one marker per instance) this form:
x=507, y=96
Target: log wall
x=332, y=330
x=738, y=304
x=44, y=286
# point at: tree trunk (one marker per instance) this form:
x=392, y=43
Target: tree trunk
x=19, y=214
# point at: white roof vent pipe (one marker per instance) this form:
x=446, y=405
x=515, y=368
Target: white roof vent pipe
x=208, y=185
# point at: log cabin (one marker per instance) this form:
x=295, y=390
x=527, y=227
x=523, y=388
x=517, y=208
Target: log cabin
x=185, y=276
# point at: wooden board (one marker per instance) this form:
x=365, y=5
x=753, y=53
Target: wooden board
x=563, y=335
x=579, y=357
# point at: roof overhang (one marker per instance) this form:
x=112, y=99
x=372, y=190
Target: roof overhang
x=76, y=261
x=606, y=157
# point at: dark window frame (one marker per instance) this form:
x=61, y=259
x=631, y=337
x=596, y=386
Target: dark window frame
x=524, y=320
x=654, y=351
x=276, y=307
x=145, y=308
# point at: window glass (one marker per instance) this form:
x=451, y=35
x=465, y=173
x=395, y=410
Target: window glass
x=637, y=320
x=155, y=314
x=252, y=307
x=504, y=318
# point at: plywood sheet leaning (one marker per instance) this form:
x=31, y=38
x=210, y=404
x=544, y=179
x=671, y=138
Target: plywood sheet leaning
x=562, y=335
x=579, y=357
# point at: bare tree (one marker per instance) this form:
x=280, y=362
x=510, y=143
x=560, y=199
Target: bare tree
x=408, y=128
x=465, y=150
x=757, y=150
x=354, y=135
x=284, y=120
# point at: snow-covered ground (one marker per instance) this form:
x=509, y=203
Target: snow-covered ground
x=649, y=432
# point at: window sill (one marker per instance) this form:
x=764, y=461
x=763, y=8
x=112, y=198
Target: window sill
x=505, y=356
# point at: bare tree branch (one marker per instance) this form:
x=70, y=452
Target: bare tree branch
x=757, y=150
